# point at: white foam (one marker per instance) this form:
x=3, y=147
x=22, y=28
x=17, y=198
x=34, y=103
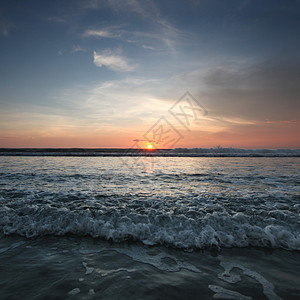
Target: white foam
x=161, y=260
x=268, y=287
x=220, y=205
x=222, y=293
x=189, y=229
x=74, y=291
x=230, y=278
x=88, y=270
x=104, y=273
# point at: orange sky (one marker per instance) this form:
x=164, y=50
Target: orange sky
x=262, y=135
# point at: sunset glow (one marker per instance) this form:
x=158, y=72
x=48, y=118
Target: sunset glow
x=106, y=77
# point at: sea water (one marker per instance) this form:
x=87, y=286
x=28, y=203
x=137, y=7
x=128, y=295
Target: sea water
x=149, y=228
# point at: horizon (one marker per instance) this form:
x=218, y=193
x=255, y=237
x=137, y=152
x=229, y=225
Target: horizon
x=148, y=149
x=174, y=74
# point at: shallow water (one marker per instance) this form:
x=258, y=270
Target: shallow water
x=86, y=268
x=131, y=228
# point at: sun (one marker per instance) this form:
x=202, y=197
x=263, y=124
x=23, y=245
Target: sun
x=149, y=146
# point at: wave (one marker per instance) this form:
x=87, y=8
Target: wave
x=151, y=226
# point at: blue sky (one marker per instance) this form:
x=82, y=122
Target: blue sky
x=99, y=73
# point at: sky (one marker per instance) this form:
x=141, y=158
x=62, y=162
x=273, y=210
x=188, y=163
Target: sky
x=126, y=73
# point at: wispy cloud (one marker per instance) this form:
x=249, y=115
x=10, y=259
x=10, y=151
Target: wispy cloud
x=100, y=33
x=77, y=48
x=162, y=38
x=283, y=121
x=148, y=47
x=144, y=8
x=159, y=29
x=112, y=61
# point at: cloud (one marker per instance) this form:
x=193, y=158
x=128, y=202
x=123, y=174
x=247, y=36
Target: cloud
x=162, y=37
x=160, y=30
x=144, y=8
x=148, y=47
x=112, y=61
x=253, y=91
x=60, y=52
x=77, y=48
x=99, y=33
x=283, y=121
x=124, y=103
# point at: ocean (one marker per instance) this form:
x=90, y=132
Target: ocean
x=149, y=227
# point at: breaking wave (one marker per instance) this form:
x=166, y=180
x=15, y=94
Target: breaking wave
x=185, y=223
